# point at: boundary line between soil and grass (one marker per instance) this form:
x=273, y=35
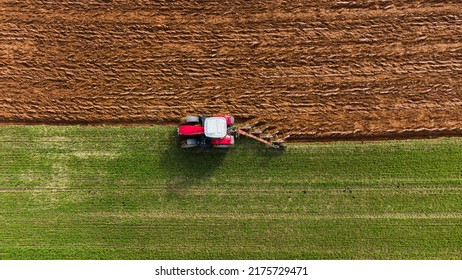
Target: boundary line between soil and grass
x=301, y=138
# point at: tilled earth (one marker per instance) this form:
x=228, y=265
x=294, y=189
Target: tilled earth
x=314, y=70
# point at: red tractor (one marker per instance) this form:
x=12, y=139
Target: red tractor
x=217, y=132
x=202, y=131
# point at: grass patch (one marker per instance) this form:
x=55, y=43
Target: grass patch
x=78, y=192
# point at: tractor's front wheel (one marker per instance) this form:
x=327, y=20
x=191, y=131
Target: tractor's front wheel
x=189, y=143
x=191, y=119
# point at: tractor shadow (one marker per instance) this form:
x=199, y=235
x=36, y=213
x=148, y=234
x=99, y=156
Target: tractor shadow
x=186, y=168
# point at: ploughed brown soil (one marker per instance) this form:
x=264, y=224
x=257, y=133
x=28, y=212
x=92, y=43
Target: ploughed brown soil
x=325, y=69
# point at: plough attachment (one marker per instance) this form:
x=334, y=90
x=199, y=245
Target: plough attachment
x=267, y=139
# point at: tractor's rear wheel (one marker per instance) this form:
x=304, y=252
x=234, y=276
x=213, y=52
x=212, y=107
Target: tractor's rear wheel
x=191, y=119
x=221, y=146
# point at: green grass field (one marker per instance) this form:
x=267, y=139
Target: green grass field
x=130, y=193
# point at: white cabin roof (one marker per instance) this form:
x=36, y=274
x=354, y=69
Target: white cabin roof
x=215, y=127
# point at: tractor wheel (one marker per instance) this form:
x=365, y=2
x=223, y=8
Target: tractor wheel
x=191, y=119
x=221, y=146
x=189, y=143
